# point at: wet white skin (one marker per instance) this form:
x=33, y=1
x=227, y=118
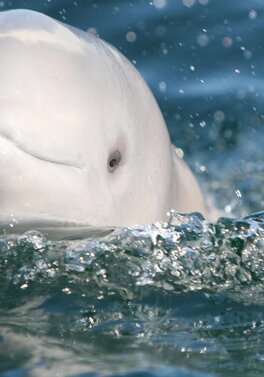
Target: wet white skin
x=81, y=136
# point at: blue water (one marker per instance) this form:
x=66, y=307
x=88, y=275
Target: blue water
x=184, y=298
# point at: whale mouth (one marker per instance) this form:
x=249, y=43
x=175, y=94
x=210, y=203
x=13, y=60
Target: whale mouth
x=55, y=229
x=38, y=156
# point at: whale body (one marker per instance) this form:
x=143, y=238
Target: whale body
x=82, y=138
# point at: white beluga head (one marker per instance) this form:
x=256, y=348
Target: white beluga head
x=82, y=139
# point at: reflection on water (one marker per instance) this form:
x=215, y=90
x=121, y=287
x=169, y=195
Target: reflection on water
x=183, y=298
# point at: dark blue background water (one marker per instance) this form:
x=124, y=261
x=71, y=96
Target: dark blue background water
x=184, y=301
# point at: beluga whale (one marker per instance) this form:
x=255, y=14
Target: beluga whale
x=82, y=139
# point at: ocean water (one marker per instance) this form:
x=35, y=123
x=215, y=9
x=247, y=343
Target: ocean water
x=183, y=298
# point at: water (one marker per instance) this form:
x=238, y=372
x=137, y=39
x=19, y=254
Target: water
x=183, y=298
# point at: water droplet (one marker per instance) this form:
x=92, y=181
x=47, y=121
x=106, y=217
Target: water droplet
x=188, y=3
x=159, y=4
x=93, y=31
x=228, y=209
x=66, y=290
x=162, y=86
x=227, y=42
x=202, y=40
x=248, y=54
x=131, y=36
x=219, y=116
x=238, y=193
x=179, y=152
x=252, y=14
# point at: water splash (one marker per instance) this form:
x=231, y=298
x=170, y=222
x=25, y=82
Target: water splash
x=164, y=293
x=184, y=255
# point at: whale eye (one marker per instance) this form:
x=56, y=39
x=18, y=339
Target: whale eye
x=113, y=161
